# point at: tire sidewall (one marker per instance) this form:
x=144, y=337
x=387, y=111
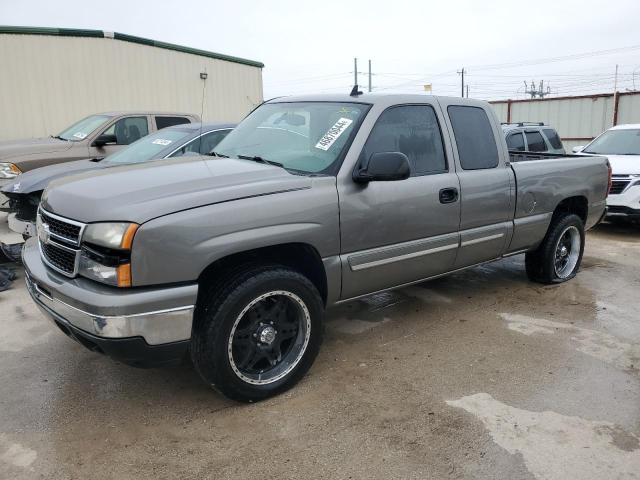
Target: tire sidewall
x=221, y=322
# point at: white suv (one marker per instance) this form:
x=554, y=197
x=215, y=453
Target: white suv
x=621, y=145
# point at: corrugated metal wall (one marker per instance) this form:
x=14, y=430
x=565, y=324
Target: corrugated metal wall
x=49, y=82
x=577, y=119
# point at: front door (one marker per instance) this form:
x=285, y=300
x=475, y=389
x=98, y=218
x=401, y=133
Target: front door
x=126, y=130
x=401, y=231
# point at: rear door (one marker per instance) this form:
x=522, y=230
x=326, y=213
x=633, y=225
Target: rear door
x=401, y=231
x=486, y=182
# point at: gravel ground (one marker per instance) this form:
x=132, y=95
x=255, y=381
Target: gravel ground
x=480, y=374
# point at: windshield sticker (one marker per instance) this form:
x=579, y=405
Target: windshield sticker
x=80, y=135
x=333, y=133
x=161, y=141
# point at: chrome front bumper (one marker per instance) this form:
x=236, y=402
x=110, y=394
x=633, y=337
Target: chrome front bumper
x=107, y=313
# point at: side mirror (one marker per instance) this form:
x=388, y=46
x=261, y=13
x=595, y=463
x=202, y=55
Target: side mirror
x=383, y=167
x=104, y=139
x=577, y=148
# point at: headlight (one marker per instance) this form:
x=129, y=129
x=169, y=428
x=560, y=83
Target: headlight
x=106, y=253
x=9, y=170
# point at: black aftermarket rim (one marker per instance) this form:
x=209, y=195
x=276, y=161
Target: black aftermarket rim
x=269, y=337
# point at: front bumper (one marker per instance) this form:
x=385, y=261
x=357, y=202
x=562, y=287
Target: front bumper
x=625, y=204
x=141, y=327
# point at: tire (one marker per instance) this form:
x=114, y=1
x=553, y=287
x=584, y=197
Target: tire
x=257, y=331
x=550, y=262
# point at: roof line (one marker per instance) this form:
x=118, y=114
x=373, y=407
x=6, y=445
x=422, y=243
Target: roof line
x=75, y=32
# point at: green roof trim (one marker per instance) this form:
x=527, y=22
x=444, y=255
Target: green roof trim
x=75, y=32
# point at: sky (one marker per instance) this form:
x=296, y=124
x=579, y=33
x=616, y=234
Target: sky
x=309, y=47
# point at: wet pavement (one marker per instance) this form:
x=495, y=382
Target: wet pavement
x=480, y=374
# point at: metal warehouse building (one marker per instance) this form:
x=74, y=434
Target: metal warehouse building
x=52, y=77
x=578, y=119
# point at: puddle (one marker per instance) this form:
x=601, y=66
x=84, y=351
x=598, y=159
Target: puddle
x=602, y=346
x=555, y=446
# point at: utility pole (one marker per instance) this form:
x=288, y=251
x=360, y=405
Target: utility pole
x=536, y=91
x=355, y=71
x=467, y=90
x=369, y=76
x=462, y=85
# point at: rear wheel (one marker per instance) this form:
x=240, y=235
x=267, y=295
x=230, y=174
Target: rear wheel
x=558, y=257
x=257, y=332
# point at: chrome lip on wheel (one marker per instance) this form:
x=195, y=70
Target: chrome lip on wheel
x=567, y=252
x=269, y=337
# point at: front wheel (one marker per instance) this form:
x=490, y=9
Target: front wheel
x=558, y=257
x=257, y=333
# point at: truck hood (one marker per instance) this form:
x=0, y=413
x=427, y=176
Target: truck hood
x=16, y=150
x=138, y=193
x=38, y=179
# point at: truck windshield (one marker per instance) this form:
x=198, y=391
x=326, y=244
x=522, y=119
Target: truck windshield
x=151, y=147
x=306, y=137
x=80, y=130
x=616, y=142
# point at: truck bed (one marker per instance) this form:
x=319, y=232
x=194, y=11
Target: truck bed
x=544, y=180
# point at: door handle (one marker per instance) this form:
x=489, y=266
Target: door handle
x=448, y=195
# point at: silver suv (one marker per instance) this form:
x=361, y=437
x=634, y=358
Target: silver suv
x=532, y=137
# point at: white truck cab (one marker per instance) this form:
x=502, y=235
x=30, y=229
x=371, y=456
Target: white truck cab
x=621, y=145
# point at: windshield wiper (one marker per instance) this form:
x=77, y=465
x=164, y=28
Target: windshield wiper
x=259, y=159
x=59, y=138
x=216, y=154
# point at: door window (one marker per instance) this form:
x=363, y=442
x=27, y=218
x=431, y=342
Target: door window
x=515, y=141
x=164, y=122
x=476, y=143
x=129, y=129
x=412, y=130
x=535, y=142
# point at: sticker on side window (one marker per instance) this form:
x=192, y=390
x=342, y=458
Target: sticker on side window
x=161, y=141
x=80, y=135
x=333, y=133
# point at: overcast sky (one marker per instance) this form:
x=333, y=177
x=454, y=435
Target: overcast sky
x=309, y=46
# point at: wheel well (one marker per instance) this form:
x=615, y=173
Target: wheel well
x=300, y=257
x=576, y=205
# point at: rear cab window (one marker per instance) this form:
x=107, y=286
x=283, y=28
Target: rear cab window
x=164, y=122
x=477, y=148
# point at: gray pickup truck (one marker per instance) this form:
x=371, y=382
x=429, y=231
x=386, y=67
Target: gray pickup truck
x=311, y=201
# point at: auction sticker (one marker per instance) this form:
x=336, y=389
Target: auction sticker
x=333, y=133
x=80, y=135
x=161, y=141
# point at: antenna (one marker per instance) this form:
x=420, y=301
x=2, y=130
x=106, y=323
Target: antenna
x=354, y=91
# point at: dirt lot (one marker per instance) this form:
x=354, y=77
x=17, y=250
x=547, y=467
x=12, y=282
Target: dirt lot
x=477, y=375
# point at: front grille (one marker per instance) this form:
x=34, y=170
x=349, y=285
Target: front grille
x=60, y=257
x=618, y=186
x=59, y=240
x=60, y=228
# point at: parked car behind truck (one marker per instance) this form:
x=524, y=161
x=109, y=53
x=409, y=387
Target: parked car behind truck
x=311, y=201
x=532, y=137
x=187, y=139
x=93, y=137
x=621, y=145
